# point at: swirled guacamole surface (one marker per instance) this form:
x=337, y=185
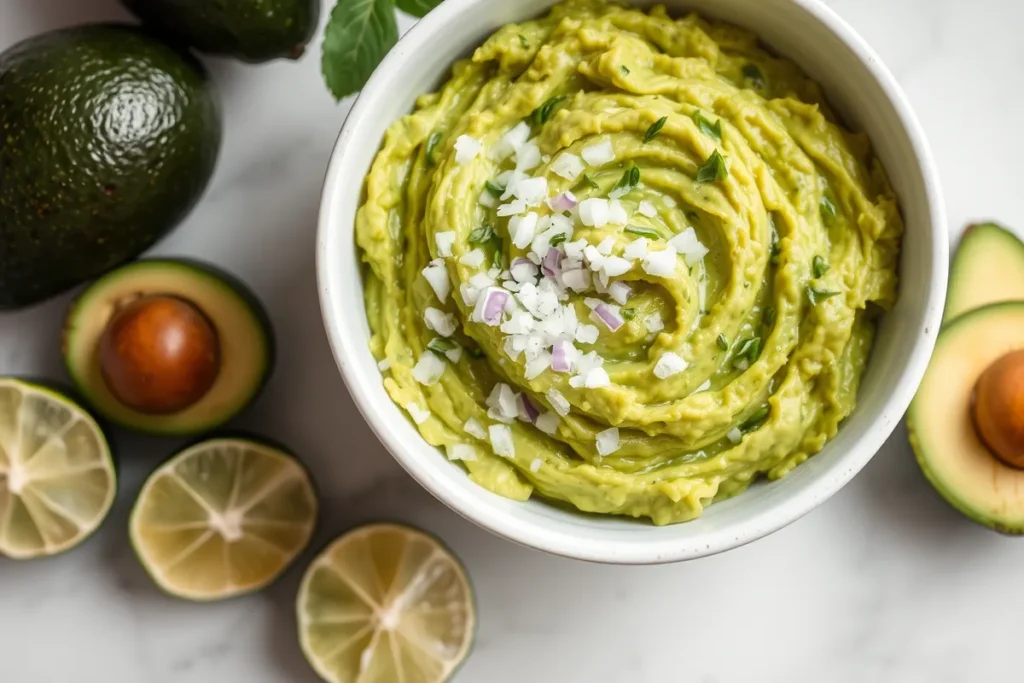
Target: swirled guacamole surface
x=627, y=261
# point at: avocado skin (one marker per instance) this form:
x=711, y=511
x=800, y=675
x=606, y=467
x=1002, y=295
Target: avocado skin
x=249, y=30
x=107, y=140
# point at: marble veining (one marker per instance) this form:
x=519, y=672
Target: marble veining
x=884, y=583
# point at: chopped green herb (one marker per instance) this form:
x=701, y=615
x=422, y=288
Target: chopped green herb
x=498, y=256
x=629, y=180
x=567, y=213
x=654, y=129
x=482, y=235
x=475, y=351
x=713, y=169
x=432, y=143
x=722, y=342
x=749, y=349
x=641, y=231
x=624, y=69
x=819, y=266
x=815, y=295
x=544, y=112
x=628, y=313
x=828, y=210
x=754, y=75
x=494, y=188
x=706, y=127
x=524, y=42
x=585, y=181
x=557, y=239
x=440, y=345
x=756, y=420
x=773, y=252
x=769, y=316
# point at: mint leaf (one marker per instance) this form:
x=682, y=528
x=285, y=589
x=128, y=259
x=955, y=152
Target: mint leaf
x=432, y=142
x=544, y=112
x=713, y=130
x=713, y=169
x=759, y=417
x=629, y=180
x=654, y=129
x=358, y=35
x=417, y=8
x=753, y=74
x=722, y=342
x=642, y=231
x=440, y=345
x=816, y=296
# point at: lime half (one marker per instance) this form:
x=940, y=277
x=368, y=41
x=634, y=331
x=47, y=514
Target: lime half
x=57, y=480
x=386, y=604
x=223, y=518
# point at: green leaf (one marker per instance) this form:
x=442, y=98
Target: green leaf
x=432, y=142
x=624, y=69
x=475, y=351
x=557, y=239
x=482, y=235
x=756, y=420
x=358, y=35
x=628, y=313
x=440, y=345
x=819, y=266
x=706, y=127
x=629, y=180
x=417, y=8
x=769, y=316
x=816, y=296
x=641, y=231
x=498, y=256
x=749, y=349
x=494, y=189
x=722, y=342
x=754, y=75
x=773, y=254
x=524, y=42
x=544, y=112
x=654, y=129
x=713, y=169
x=828, y=209
x=567, y=213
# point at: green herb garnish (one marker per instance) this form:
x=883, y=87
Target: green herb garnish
x=754, y=75
x=440, y=345
x=544, y=112
x=432, y=142
x=567, y=213
x=494, y=189
x=819, y=266
x=756, y=420
x=628, y=313
x=654, y=129
x=482, y=235
x=624, y=69
x=356, y=38
x=713, y=169
x=827, y=209
x=769, y=316
x=641, y=231
x=706, y=127
x=722, y=342
x=816, y=296
x=498, y=257
x=557, y=239
x=417, y=8
x=749, y=349
x=524, y=42
x=629, y=180
x=475, y=351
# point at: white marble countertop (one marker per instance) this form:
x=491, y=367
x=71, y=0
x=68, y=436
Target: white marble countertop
x=884, y=582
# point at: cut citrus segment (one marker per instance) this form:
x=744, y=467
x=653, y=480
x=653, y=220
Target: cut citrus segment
x=222, y=518
x=386, y=604
x=57, y=479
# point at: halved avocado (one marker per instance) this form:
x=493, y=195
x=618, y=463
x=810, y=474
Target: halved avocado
x=942, y=429
x=168, y=346
x=988, y=268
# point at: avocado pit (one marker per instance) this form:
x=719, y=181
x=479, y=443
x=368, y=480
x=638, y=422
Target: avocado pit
x=998, y=408
x=159, y=354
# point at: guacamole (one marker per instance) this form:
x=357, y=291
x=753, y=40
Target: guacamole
x=626, y=261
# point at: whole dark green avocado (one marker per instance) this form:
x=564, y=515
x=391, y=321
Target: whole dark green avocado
x=108, y=138
x=249, y=30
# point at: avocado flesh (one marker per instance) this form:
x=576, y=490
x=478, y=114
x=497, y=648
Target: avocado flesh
x=249, y=30
x=988, y=268
x=942, y=433
x=109, y=138
x=243, y=329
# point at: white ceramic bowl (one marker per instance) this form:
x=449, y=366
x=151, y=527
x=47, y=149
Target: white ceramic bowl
x=868, y=98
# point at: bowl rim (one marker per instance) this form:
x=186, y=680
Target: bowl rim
x=525, y=532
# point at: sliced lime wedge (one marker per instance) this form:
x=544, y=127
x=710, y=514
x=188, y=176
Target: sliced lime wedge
x=57, y=479
x=386, y=604
x=222, y=518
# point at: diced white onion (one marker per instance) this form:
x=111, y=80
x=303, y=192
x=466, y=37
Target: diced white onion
x=474, y=428
x=599, y=153
x=567, y=165
x=608, y=441
x=558, y=402
x=668, y=365
x=466, y=149
x=437, y=277
x=439, y=321
x=501, y=440
x=461, y=451
x=428, y=368
x=418, y=414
